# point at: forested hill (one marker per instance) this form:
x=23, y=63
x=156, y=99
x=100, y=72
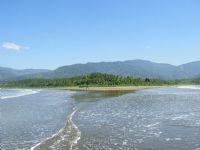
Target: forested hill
x=136, y=68
x=93, y=79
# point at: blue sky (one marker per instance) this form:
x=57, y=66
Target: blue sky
x=53, y=33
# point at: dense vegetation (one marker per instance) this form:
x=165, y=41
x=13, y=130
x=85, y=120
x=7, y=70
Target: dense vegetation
x=194, y=81
x=137, y=68
x=93, y=79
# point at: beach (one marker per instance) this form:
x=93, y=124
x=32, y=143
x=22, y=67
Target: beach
x=114, y=88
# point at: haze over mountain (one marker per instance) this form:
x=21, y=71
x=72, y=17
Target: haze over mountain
x=11, y=74
x=137, y=68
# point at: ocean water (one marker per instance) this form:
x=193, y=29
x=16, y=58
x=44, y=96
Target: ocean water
x=152, y=119
x=28, y=117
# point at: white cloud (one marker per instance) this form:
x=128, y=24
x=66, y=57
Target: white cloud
x=13, y=46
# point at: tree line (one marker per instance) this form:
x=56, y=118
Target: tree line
x=93, y=79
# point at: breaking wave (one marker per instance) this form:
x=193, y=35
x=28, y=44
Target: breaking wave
x=64, y=139
x=17, y=93
x=193, y=87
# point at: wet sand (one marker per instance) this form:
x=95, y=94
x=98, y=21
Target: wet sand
x=116, y=88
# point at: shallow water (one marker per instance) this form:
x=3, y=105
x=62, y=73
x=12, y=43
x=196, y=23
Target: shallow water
x=28, y=120
x=159, y=119
x=164, y=118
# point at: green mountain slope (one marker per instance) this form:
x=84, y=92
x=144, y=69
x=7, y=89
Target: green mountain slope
x=137, y=68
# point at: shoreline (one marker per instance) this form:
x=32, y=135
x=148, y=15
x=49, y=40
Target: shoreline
x=94, y=88
x=117, y=88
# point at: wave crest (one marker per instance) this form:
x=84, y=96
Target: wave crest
x=193, y=87
x=65, y=138
x=18, y=93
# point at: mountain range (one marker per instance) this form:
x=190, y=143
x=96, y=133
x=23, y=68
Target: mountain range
x=7, y=74
x=137, y=68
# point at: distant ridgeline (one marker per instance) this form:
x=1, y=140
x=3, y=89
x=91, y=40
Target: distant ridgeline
x=93, y=79
x=137, y=68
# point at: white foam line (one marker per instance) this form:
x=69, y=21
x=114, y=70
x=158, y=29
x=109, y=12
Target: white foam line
x=27, y=92
x=189, y=87
x=32, y=148
x=152, y=125
x=78, y=131
x=61, y=130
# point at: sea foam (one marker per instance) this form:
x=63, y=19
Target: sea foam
x=18, y=93
x=65, y=138
x=193, y=87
